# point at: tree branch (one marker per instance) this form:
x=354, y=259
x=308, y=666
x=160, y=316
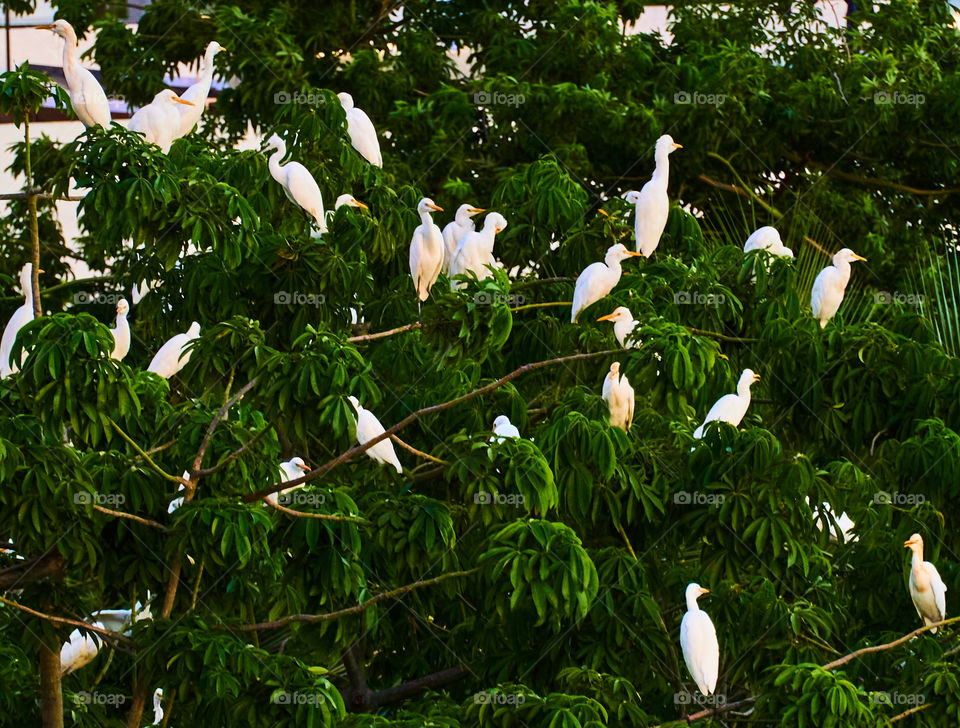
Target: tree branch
x=63, y=620
x=330, y=465
x=329, y=616
x=217, y=419
x=320, y=516
x=138, y=519
x=234, y=455
x=914, y=709
x=418, y=453
x=411, y=688
x=831, y=171
x=140, y=451
x=384, y=334
x=31, y=570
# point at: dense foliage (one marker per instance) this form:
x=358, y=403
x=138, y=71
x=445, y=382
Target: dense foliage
x=561, y=559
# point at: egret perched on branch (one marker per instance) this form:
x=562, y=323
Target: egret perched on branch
x=474, y=251
x=731, y=407
x=426, y=250
x=618, y=394
x=503, y=429
x=369, y=427
x=173, y=355
x=81, y=647
x=362, y=134
x=21, y=317
x=829, y=286
x=197, y=93
x=698, y=640
x=86, y=94
x=159, y=121
x=121, y=331
x=297, y=182
x=289, y=470
x=623, y=325
x=461, y=225
x=157, y=706
x=177, y=502
x=651, y=204
x=598, y=279
x=767, y=238
x=927, y=589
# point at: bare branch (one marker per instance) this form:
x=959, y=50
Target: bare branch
x=217, y=419
x=138, y=519
x=234, y=455
x=418, y=453
x=63, y=620
x=319, y=516
x=384, y=334
x=140, y=451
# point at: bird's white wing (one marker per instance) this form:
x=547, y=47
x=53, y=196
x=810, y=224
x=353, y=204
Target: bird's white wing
x=303, y=188
x=369, y=427
x=584, y=292
x=827, y=293
x=90, y=96
x=652, y=210
x=363, y=135
x=724, y=409
x=21, y=317
x=79, y=650
x=166, y=362
x=939, y=589
x=416, y=256
x=628, y=394
x=701, y=651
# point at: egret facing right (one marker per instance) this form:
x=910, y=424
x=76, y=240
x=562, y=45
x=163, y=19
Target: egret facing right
x=830, y=285
x=452, y=232
x=426, y=250
x=731, y=408
x=651, y=204
x=598, y=279
x=698, y=640
x=159, y=121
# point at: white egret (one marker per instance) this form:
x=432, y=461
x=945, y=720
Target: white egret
x=157, y=706
x=362, y=133
x=623, y=325
x=177, y=502
x=159, y=121
x=86, y=94
x=503, y=428
x=297, y=182
x=844, y=524
x=767, y=238
x=121, y=331
x=618, y=394
x=197, y=93
x=289, y=470
x=426, y=250
x=474, y=251
x=172, y=356
x=651, y=204
x=369, y=427
x=21, y=317
x=598, y=279
x=927, y=590
x=82, y=647
x=731, y=407
x=348, y=200
x=698, y=640
x=452, y=232
x=829, y=286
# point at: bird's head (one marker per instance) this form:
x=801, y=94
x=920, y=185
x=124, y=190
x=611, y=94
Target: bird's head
x=847, y=256
x=297, y=462
x=276, y=142
x=346, y=100
x=695, y=591
x=501, y=421
x=26, y=276
x=122, y=307
x=614, y=370
x=666, y=145
x=465, y=212
x=348, y=200
x=632, y=196
x=914, y=543
x=495, y=221
x=62, y=28
x=354, y=402
x=427, y=205
x=213, y=48
x=747, y=378
x=618, y=252
x=620, y=313
x=194, y=331
x=169, y=96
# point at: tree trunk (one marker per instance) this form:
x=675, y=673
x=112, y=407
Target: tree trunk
x=136, y=705
x=51, y=695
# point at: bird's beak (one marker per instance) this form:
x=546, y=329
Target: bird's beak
x=305, y=468
x=635, y=254
x=756, y=377
x=704, y=591
x=45, y=26
x=608, y=317
x=181, y=101
x=907, y=544
x=41, y=271
x=677, y=146
x=357, y=203
x=477, y=210
x=435, y=207
x=603, y=212
x=859, y=257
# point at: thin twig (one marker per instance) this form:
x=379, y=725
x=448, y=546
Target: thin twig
x=234, y=455
x=419, y=453
x=911, y=711
x=138, y=519
x=384, y=334
x=63, y=620
x=217, y=419
x=139, y=450
x=319, y=516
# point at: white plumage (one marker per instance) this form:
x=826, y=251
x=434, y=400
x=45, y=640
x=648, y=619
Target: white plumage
x=461, y=224
x=198, y=93
x=426, y=250
x=369, y=427
x=157, y=706
x=698, y=640
x=289, y=470
x=177, y=502
x=731, y=407
x=86, y=94
x=172, y=358
x=21, y=317
x=361, y=131
x=81, y=648
x=598, y=279
x=348, y=200
x=474, y=251
x=503, y=429
x=623, y=325
x=927, y=590
x=618, y=394
x=159, y=121
x=651, y=204
x=121, y=332
x=829, y=286
x=767, y=238
x=297, y=182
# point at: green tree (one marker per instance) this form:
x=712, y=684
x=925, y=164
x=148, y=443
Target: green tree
x=535, y=582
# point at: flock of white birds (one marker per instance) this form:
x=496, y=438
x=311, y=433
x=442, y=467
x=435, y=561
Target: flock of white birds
x=456, y=250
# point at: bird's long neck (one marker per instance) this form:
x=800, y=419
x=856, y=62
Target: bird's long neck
x=274, y=163
x=661, y=173
x=917, y=561
x=426, y=220
x=843, y=267
x=692, y=605
x=743, y=391
x=71, y=54
x=206, y=73
x=27, y=283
